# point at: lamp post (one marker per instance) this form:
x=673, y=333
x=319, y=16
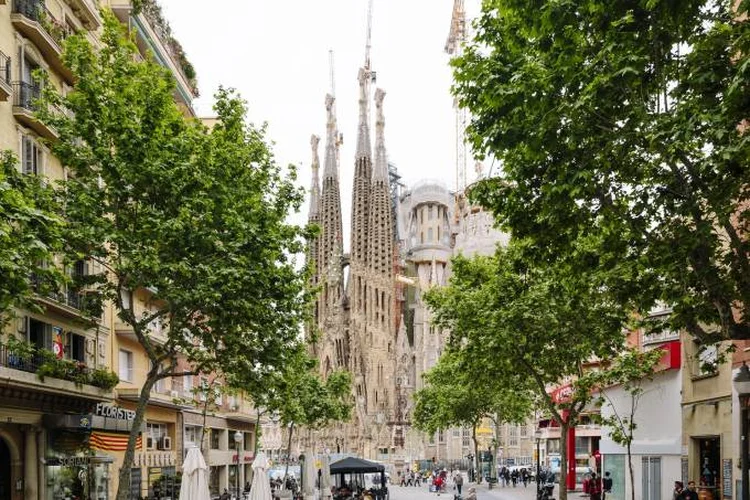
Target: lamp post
x=741, y=384
x=237, y=441
x=538, y=437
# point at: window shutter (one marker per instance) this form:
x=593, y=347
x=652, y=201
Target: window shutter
x=28, y=156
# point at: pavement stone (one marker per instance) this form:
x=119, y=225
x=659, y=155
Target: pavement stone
x=483, y=493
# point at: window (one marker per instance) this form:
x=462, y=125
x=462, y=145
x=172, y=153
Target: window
x=76, y=348
x=218, y=399
x=465, y=438
x=193, y=435
x=706, y=359
x=524, y=431
x=156, y=430
x=651, y=478
x=40, y=334
x=159, y=386
x=187, y=384
x=430, y=214
x=216, y=438
x=126, y=365
x=441, y=437
x=429, y=235
x=513, y=435
x=31, y=156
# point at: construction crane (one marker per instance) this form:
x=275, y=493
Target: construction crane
x=454, y=47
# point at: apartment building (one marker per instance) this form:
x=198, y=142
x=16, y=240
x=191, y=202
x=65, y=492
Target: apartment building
x=66, y=435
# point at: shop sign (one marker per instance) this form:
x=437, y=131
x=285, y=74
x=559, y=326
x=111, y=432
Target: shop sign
x=69, y=461
x=112, y=411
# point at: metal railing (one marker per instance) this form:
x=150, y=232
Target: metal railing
x=4, y=67
x=11, y=359
x=37, y=11
x=26, y=94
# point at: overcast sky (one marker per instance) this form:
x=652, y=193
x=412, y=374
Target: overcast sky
x=275, y=52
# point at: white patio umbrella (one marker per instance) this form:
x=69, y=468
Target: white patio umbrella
x=260, y=489
x=325, y=477
x=194, y=477
x=310, y=474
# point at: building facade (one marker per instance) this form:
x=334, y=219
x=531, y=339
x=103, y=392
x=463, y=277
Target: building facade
x=63, y=432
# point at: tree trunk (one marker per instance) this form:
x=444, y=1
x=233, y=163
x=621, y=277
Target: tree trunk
x=564, y=460
x=288, y=450
x=123, y=487
x=630, y=470
x=257, y=435
x=477, y=474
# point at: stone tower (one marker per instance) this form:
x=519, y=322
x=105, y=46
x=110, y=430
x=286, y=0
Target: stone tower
x=380, y=325
x=356, y=324
x=330, y=250
x=314, y=218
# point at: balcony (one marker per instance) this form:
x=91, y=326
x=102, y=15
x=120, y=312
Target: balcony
x=32, y=19
x=152, y=37
x=6, y=89
x=32, y=368
x=25, y=106
x=86, y=12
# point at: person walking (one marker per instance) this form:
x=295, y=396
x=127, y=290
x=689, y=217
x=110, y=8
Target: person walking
x=606, y=485
x=595, y=487
x=689, y=493
x=472, y=494
x=458, y=480
x=678, y=489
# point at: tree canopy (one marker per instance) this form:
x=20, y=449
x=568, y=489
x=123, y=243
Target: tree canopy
x=31, y=234
x=622, y=131
x=194, y=219
x=541, y=326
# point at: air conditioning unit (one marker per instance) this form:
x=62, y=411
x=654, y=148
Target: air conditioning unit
x=166, y=443
x=174, y=394
x=150, y=443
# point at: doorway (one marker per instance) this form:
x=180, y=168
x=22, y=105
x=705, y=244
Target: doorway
x=6, y=483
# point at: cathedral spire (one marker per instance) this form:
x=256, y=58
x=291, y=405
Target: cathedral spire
x=331, y=166
x=380, y=171
x=363, y=132
x=315, y=185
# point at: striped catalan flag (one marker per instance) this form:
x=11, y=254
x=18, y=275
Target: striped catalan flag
x=112, y=441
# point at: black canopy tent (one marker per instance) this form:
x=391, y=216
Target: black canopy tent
x=353, y=465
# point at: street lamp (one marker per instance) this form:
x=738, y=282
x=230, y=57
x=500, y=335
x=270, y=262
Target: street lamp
x=237, y=441
x=538, y=437
x=742, y=386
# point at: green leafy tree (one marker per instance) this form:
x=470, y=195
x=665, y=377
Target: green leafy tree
x=628, y=373
x=31, y=236
x=625, y=125
x=451, y=398
x=513, y=321
x=196, y=218
x=305, y=399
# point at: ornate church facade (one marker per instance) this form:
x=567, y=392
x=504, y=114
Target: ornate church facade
x=355, y=316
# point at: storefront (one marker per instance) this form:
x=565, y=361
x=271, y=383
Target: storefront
x=229, y=459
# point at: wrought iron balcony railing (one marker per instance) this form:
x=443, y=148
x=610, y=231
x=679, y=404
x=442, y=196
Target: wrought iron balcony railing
x=4, y=68
x=36, y=10
x=25, y=95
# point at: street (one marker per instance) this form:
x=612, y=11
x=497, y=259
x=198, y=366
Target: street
x=500, y=493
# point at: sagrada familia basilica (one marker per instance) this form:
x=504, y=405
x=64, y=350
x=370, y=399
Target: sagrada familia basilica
x=369, y=317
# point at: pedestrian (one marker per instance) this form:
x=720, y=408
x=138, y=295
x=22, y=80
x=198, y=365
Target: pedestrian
x=689, y=493
x=225, y=495
x=595, y=487
x=525, y=477
x=678, y=489
x=606, y=485
x=472, y=494
x=458, y=480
